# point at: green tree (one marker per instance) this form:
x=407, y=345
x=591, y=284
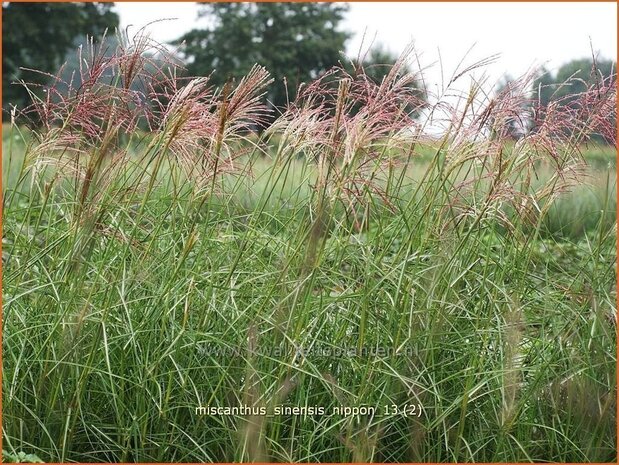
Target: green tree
x=38, y=35
x=295, y=42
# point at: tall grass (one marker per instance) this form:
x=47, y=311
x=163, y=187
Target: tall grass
x=320, y=264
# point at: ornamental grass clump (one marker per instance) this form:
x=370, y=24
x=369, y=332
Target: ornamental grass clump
x=349, y=126
x=204, y=126
x=87, y=125
x=82, y=129
x=128, y=122
x=500, y=173
x=168, y=252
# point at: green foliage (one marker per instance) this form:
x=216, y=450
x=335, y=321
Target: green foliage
x=20, y=457
x=507, y=343
x=296, y=42
x=38, y=35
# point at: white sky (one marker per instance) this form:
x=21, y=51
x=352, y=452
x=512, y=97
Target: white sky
x=524, y=34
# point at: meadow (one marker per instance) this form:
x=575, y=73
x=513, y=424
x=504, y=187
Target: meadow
x=338, y=287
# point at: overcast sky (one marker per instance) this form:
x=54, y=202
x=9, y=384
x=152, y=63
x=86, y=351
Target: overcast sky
x=524, y=34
